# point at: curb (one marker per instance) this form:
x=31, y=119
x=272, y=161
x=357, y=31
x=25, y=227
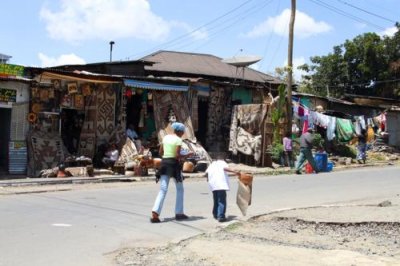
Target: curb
x=30, y=182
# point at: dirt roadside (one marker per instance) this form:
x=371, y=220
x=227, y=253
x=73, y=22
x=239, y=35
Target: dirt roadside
x=360, y=233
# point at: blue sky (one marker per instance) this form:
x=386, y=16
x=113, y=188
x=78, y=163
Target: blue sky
x=54, y=32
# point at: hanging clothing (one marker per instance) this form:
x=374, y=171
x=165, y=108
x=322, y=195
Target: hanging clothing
x=344, y=130
x=330, y=130
x=305, y=126
x=370, y=134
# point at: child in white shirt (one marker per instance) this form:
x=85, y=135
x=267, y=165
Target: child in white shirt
x=218, y=181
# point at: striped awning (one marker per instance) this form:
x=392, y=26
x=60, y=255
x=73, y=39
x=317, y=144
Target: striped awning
x=153, y=86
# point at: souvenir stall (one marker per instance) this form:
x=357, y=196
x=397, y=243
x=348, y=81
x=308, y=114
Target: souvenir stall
x=152, y=107
x=71, y=115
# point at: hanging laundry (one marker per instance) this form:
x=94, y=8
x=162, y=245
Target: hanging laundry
x=330, y=130
x=305, y=126
x=370, y=134
x=344, y=130
x=318, y=119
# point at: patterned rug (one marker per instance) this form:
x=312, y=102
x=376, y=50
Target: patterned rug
x=164, y=103
x=105, y=122
x=219, y=111
x=246, y=128
x=87, y=142
x=47, y=149
x=128, y=151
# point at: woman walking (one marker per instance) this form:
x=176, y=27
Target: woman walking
x=170, y=151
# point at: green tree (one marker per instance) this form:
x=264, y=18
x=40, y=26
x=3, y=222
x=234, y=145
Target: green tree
x=365, y=65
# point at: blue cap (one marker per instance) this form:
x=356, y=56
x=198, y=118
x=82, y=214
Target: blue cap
x=178, y=126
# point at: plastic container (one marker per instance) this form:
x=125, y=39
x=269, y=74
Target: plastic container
x=309, y=169
x=321, y=159
x=329, y=166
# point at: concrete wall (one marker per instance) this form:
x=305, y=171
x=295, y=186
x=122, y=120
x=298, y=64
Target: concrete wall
x=393, y=128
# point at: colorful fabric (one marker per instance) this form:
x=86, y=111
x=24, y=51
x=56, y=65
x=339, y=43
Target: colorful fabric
x=344, y=130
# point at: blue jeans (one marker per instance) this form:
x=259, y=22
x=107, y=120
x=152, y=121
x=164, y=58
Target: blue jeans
x=306, y=154
x=219, y=197
x=158, y=204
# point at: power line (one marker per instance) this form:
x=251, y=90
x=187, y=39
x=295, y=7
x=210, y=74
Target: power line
x=270, y=36
x=366, y=11
x=346, y=14
x=196, y=29
x=248, y=12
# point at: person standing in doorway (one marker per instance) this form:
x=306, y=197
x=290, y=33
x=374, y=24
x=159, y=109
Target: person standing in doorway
x=170, y=151
x=306, y=144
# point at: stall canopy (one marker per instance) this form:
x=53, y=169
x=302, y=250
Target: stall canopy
x=153, y=86
x=79, y=76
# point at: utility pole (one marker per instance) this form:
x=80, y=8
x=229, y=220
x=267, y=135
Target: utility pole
x=290, y=68
x=111, y=46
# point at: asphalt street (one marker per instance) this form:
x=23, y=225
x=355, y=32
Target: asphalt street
x=86, y=227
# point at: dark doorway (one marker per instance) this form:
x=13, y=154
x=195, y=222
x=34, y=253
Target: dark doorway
x=203, y=120
x=5, y=118
x=71, y=126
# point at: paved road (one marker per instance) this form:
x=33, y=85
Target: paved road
x=84, y=227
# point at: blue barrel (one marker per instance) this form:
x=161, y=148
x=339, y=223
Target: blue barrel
x=321, y=159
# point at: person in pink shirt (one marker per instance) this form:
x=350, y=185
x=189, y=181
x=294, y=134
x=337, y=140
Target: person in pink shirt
x=288, y=150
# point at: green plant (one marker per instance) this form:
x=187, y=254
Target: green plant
x=278, y=112
x=344, y=150
x=318, y=141
x=277, y=151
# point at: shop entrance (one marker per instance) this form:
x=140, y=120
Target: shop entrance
x=71, y=126
x=203, y=120
x=140, y=115
x=5, y=118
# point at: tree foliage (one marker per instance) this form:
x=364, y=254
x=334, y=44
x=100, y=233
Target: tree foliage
x=366, y=65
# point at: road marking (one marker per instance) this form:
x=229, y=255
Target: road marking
x=62, y=225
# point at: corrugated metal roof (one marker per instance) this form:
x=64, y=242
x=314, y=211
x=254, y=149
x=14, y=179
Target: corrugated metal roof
x=153, y=86
x=203, y=64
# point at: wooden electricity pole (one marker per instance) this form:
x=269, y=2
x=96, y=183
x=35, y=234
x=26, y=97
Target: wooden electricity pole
x=290, y=68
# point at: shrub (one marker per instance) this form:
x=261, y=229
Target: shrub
x=277, y=151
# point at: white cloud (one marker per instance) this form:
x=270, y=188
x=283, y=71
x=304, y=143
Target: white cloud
x=65, y=59
x=389, y=31
x=79, y=20
x=199, y=34
x=298, y=61
x=305, y=26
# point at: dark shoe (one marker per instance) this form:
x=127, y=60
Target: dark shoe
x=154, y=218
x=221, y=220
x=298, y=172
x=180, y=217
